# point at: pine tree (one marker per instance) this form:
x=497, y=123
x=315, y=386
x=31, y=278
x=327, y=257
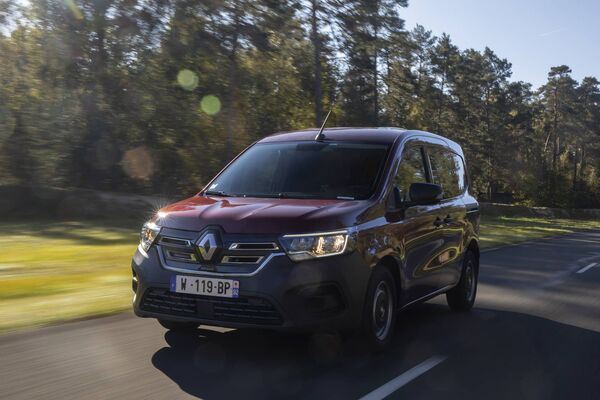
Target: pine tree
x=368, y=27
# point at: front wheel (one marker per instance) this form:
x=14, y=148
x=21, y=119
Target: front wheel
x=379, y=317
x=462, y=296
x=177, y=326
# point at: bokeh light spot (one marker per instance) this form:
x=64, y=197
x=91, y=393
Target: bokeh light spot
x=74, y=9
x=137, y=163
x=210, y=104
x=187, y=79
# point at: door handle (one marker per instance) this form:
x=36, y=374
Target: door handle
x=438, y=222
x=448, y=219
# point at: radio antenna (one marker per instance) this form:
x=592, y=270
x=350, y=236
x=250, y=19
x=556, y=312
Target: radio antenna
x=320, y=135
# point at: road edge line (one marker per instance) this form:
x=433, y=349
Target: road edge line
x=584, y=269
x=390, y=387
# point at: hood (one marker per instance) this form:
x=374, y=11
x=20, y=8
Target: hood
x=260, y=215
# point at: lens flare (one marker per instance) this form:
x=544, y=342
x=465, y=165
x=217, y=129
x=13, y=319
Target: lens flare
x=137, y=163
x=210, y=104
x=74, y=9
x=162, y=214
x=187, y=79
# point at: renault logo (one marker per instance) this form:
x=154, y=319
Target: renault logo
x=207, y=245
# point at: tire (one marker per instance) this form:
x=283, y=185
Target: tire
x=177, y=326
x=379, y=315
x=462, y=296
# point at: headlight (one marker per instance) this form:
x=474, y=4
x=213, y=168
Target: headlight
x=149, y=232
x=303, y=247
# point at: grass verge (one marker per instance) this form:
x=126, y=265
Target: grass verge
x=58, y=271
x=500, y=231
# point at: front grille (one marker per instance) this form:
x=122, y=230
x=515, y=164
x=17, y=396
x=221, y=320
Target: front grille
x=241, y=259
x=232, y=254
x=175, y=241
x=178, y=249
x=164, y=302
x=254, y=246
x=185, y=256
x=250, y=310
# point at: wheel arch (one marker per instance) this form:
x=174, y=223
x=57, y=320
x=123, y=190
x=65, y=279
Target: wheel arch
x=474, y=248
x=392, y=265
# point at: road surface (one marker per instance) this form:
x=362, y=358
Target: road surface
x=534, y=334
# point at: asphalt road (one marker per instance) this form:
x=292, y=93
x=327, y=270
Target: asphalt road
x=534, y=334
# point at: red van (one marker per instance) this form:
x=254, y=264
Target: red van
x=308, y=232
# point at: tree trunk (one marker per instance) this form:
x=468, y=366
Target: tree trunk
x=90, y=166
x=575, y=172
x=316, y=42
x=375, y=75
x=441, y=102
x=575, y=152
x=16, y=149
x=230, y=124
x=555, y=131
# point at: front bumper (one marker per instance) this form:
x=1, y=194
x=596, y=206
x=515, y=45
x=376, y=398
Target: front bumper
x=319, y=294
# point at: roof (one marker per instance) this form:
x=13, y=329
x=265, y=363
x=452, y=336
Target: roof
x=383, y=135
x=368, y=135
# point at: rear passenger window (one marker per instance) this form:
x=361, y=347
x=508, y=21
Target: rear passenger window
x=462, y=173
x=448, y=171
x=410, y=170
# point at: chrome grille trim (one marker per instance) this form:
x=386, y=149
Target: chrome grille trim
x=240, y=259
x=263, y=264
x=254, y=246
x=178, y=249
x=172, y=241
x=181, y=256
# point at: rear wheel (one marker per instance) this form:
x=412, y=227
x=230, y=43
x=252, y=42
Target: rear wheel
x=177, y=326
x=379, y=317
x=462, y=296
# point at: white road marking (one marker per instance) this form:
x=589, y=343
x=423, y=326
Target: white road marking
x=404, y=378
x=582, y=270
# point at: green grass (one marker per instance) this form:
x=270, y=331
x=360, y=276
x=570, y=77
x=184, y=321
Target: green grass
x=58, y=271
x=499, y=231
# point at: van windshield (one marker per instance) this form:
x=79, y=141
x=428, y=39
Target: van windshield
x=315, y=170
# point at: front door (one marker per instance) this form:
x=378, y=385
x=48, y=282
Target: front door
x=417, y=230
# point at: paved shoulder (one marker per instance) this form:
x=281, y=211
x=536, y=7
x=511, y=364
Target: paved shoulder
x=534, y=333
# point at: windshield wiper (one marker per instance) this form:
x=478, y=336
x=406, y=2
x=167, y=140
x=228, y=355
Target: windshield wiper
x=295, y=195
x=299, y=195
x=219, y=193
x=280, y=195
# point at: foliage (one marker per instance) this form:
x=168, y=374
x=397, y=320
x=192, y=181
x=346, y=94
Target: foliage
x=156, y=96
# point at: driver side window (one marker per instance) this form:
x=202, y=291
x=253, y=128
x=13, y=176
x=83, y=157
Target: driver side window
x=411, y=170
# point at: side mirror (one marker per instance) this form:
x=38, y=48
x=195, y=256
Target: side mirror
x=425, y=193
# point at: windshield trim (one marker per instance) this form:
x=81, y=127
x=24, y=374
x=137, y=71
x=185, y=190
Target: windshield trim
x=381, y=173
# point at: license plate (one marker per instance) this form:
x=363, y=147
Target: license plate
x=205, y=286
